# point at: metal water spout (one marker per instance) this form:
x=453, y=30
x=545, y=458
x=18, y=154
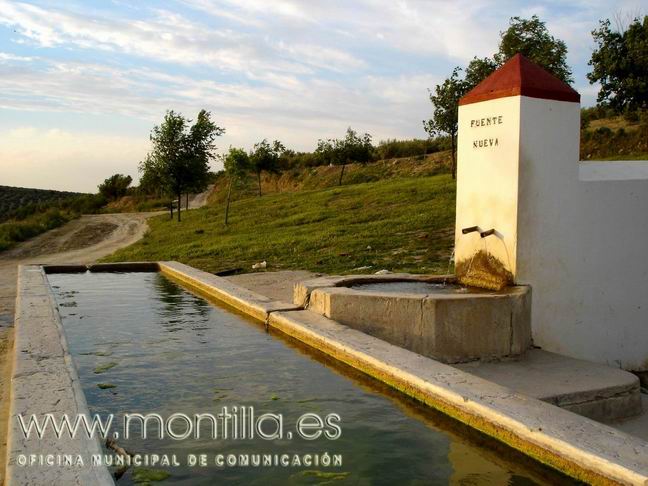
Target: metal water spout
x=470, y=229
x=486, y=233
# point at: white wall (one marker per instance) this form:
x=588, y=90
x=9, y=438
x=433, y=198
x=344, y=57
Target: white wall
x=582, y=242
x=619, y=170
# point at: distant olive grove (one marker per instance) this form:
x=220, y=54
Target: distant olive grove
x=25, y=213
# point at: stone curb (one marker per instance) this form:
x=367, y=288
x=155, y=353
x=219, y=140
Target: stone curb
x=302, y=290
x=44, y=380
x=242, y=299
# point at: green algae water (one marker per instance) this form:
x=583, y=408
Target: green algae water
x=143, y=344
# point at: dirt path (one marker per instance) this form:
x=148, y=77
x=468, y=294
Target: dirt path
x=83, y=240
x=200, y=199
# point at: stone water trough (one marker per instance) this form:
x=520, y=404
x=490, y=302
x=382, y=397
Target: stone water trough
x=430, y=315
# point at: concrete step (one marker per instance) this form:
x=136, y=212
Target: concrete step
x=594, y=390
x=638, y=425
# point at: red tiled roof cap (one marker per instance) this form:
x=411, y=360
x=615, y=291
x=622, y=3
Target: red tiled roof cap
x=520, y=76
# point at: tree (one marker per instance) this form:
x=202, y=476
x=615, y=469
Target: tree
x=620, y=64
x=478, y=70
x=237, y=165
x=351, y=148
x=115, y=186
x=354, y=148
x=445, y=100
x=202, y=145
x=265, y=158
x=326, y=153
x=531, y=38
x=181, y=154
x=153, y=181
x=527, y=36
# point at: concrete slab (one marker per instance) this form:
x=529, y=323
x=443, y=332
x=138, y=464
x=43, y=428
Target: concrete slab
x=591, y=389
x=275, y=285
x=256, y=305
x=581, y=447
x=44, y=380
x=303, y=289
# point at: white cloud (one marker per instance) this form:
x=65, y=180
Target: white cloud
x=7, y=57
x=458, y=29
x=393, y=105
x=168, y=37
x=286, y=69
x=283, y=8
x=322, y=57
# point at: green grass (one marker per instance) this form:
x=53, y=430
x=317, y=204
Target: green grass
x=613, y=123
x=395, y=224
x=324, y=177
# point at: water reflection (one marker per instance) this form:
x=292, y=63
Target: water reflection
x=175, y=352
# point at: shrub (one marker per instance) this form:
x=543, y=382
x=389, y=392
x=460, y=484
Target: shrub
x=15, y=231
x=394, y=149
x=631, y=116
x=604, y=131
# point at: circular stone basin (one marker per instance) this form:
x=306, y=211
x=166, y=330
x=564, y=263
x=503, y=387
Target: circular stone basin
x=414, y=287
x=447, y=322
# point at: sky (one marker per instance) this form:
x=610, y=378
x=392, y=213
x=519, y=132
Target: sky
x=83, y=82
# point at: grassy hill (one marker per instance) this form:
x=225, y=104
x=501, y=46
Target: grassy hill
x=323, y=176
x=399, y=224
x=396, y=214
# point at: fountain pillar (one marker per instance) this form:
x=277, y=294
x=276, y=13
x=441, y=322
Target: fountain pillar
x=574, y=231
x=506, y=131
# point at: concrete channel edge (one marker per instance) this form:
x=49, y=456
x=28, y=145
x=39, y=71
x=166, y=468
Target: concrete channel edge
x=44, y=380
